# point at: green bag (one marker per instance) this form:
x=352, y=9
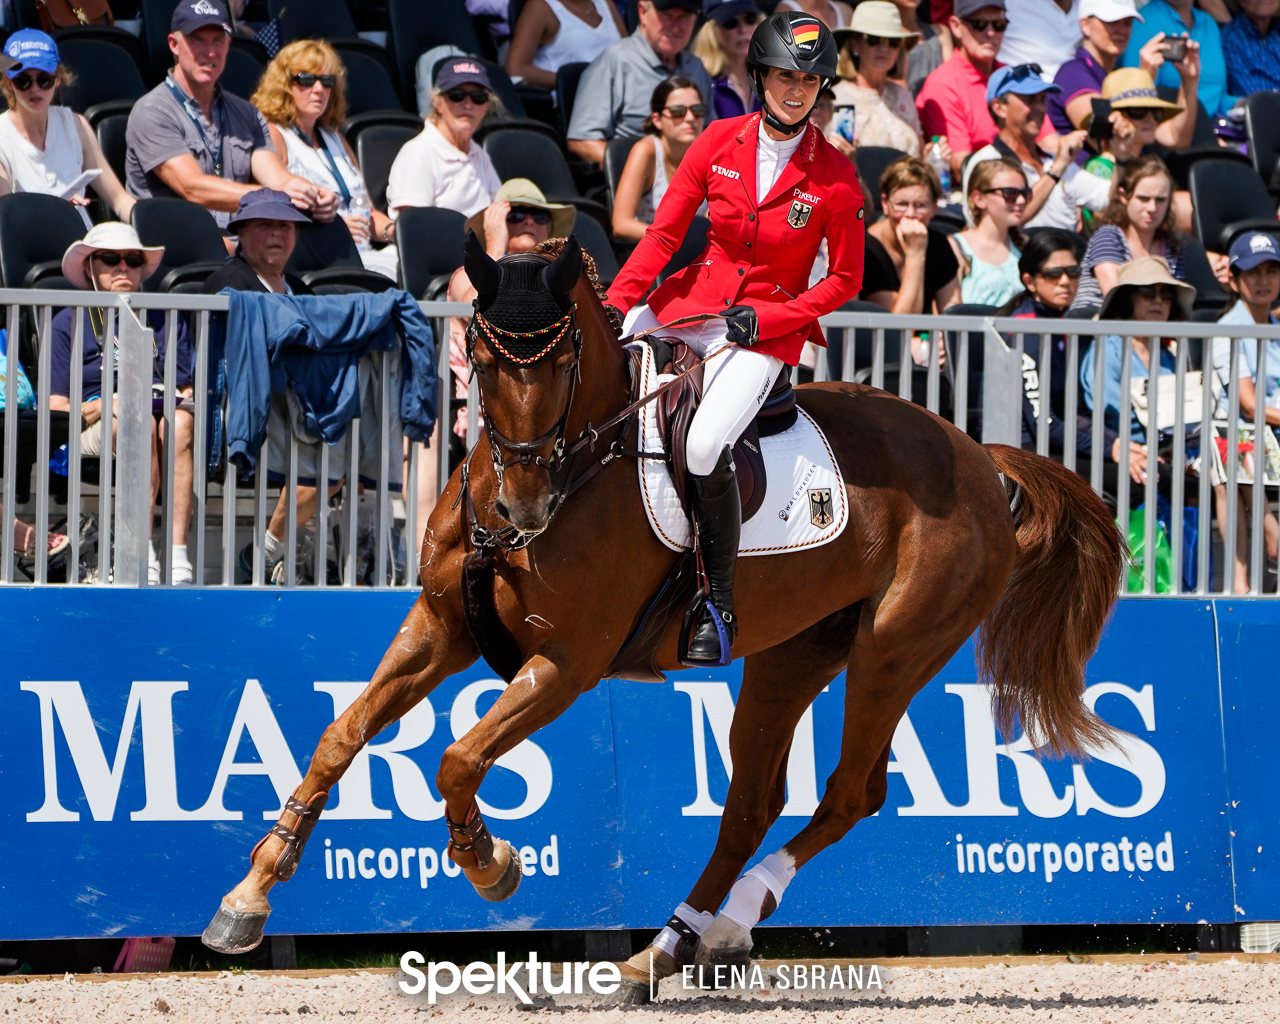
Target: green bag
x=1137, y=545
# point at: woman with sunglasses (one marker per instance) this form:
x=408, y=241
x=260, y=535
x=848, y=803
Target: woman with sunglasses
x=551, y=33
x=721, y=44
x=873, y=52
x=302, y=95
x=988, y=252
x=45, y=148
x=677, y=119
x=442, y=166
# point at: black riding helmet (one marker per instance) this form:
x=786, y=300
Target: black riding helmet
x=795, y=42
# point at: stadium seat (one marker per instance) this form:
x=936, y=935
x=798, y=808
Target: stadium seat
x=104, y=72
x=369, y=85
x=156, y=15
x=241, y=75
x=122, y=38
x=864, y=346
x=1200, y=275
x=370, y=49
x=325, y=255
x=314, y=19
x=615, y=159
x=191, y=239
x=416, y=27
x=520, y=153
x=253, y=48
x=111, y=137
x=35, y=230
x=871, y=162
x=1262, y=121
x=430, y=242
x=376, y=149
x=1228, y=198
x=592, y=237
x=354, y=126
x=567, y=78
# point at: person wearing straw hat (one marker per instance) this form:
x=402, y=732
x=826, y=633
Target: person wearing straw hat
x=872, y=50
x=111, y=258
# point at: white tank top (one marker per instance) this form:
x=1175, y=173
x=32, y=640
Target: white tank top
x=648, y=204
x=309, y=163
x=837, y=13
x=576, y=40
x=49, y=170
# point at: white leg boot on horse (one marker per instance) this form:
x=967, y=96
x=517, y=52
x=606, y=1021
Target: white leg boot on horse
x=412, y=667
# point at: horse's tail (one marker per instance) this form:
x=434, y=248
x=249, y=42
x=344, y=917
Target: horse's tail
x=1034, y=645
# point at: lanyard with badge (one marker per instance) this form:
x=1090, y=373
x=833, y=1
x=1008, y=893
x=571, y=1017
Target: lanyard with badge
x=185, y=102
x=323, y=150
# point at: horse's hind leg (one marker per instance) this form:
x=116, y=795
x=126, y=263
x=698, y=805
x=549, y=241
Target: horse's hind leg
x=777, y=686
x=422, y=655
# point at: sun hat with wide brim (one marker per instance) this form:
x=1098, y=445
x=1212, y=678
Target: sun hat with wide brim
x=874, y=18
x=1133, y=87
x=266, y=204
x=112, y=236
x=523, y=192
x=1147, y=270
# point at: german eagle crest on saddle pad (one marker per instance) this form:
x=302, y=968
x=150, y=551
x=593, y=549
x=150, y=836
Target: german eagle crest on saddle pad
x=799, y=215
x=820, y=507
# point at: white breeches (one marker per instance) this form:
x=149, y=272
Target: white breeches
x=738, y=381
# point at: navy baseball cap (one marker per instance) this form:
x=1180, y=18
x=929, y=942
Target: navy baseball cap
x=31, y=48
x=1023, y=79
x=191, y=15
x=455, y=71
x=1253, y=249
x=266, y=204
x=724, y=11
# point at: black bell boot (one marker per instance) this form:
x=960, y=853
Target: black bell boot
x=717, y=510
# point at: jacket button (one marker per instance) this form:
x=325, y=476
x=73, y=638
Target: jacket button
x=748, y=245
x=751, y=216
x=741, y=271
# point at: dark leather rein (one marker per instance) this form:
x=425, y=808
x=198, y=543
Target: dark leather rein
x=560, y=463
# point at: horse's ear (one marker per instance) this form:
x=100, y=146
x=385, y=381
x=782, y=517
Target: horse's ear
x=482, y=269
x=563, y=274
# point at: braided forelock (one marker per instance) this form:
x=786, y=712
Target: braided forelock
x=553, y=247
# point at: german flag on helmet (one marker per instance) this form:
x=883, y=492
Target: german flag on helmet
x=805, y=32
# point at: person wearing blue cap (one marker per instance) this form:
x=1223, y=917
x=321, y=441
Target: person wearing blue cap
x=1017, y=98
x=46, y=148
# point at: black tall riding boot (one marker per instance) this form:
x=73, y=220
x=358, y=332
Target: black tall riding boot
x=717, y=510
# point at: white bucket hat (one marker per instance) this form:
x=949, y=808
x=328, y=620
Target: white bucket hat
x=113, y=236
x=874, y=18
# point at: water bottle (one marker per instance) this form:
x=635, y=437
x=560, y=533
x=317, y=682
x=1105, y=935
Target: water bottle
x=360, y=206
x=935, y=159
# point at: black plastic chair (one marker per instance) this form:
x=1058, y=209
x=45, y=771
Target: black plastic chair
x=567, y=78
x=156, y=15
x=193, y=246
x=353, y=127
x=871, y=162
x=519, y=153
x=376, y=149
x=1199, y=274
x=326, y=255
x=430, y=242
x=104, y=73
x=1228, y=198
x=370, y=49
x=35, y=230
x=369, y=85
x=111, y=137
x=242, y=73
x=415, y=27
x=615, y=159
x=863, y=347
x=126, y=40
x=1262, y=122
x=315, y=19
x=592, y=237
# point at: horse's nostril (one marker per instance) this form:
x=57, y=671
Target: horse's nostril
x=501, y=507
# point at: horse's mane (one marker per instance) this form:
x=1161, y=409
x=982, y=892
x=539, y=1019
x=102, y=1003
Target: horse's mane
x=553, y=247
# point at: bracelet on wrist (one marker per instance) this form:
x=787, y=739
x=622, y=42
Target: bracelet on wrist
x=1056, y=177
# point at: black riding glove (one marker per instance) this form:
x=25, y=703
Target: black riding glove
x=741, y=326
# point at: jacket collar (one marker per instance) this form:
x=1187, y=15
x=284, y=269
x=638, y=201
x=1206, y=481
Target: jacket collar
x=745, y=158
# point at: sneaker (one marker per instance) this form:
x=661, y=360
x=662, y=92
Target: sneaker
x=246, y=564
x=276, y=578
x=182, y=575
x=153, y=574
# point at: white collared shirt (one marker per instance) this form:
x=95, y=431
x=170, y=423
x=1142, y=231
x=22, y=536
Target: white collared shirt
x=430, y=171
x=1040, y=32
x=771, y=157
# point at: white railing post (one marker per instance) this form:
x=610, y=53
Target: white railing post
x=1001, y=419
x=133, y=450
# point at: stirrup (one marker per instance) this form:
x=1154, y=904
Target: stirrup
x=702, y=603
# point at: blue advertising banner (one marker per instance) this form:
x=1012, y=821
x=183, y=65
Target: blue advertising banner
x=149, y=738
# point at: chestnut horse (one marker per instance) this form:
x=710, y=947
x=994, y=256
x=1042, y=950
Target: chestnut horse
x=945, y=537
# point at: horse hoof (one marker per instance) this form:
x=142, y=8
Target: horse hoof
x=630, y=993
x=725, y=942
x=505, y=887
x=729, y=956
x=234, y=931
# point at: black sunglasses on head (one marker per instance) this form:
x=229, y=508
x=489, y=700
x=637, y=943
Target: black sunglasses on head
x=1020, y=71
x=132, y=260
x=24, y=82
x=1056, y=273
x=980, y=24
x=518, y=215
x=477, y=96
x=307, y=80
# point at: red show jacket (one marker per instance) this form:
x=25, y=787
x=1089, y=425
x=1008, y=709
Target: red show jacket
x=759, y=256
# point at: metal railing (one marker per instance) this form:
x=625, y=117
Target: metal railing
x=977, y=372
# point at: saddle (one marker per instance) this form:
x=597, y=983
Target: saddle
x=676, y=408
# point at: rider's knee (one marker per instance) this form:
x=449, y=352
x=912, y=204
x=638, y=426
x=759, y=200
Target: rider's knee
x=702, y=453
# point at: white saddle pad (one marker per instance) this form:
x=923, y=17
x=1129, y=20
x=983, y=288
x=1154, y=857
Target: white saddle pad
x=805, y=505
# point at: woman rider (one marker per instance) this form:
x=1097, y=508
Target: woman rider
x=774, y=188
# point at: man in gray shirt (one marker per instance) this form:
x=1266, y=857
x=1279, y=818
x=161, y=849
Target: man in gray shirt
x=189, y=138
x=614, y=93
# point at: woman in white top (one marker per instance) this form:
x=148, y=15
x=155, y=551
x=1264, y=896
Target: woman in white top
x=677, y=119
x=44, y=148
x=442, y=166
x=550, y=33
x=302, y=96
x=873, y=50
x=832, y=13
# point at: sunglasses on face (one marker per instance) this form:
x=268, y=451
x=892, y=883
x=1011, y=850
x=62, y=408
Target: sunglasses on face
x=1057, y=273
x=307, y=80
x=1009, y=194
x=519, y=214
x=980, y=25
x=1140, y=113
x=877, y=40
x=1161, y=292
x=132, y=260
x=748, y=19
x=477, y=96
x=24, y=82
x=679, y=112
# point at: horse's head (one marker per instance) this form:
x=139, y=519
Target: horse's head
x=525, y=345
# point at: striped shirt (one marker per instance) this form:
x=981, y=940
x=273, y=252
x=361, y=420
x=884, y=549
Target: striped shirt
x=1109, y=245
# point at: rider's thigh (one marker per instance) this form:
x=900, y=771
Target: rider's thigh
x=738, y=382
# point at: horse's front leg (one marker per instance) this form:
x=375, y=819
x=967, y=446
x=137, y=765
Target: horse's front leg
x=426, y=651
x=541, y=691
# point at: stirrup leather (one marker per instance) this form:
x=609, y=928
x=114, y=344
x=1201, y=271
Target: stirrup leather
x=295, y=839
x=472, y=837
